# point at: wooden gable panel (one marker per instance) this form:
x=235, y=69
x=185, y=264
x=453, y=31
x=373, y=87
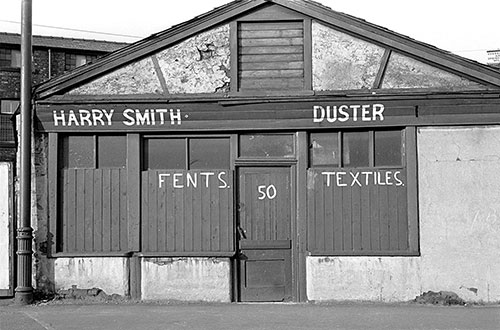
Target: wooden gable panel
x=271, y=55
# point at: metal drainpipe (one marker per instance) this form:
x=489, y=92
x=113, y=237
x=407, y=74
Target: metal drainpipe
x=24, y=289
x=50, y=63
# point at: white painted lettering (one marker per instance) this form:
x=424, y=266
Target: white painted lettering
x=355, y=178
x=97, y=117
x=318, y=114
x=61, y=117
x=343, y=112
x=129, y=119
x=175, y=117
x=223, y=183
x=378, y=111
x=85, y=117
x=177, y=178
x=207, y=176
x=328, y=177
x=339, y=176
x=72, y=118
x=142, y=118
x=162, y=178
x=108, y=115
x=365, y=112
x=162, y=113
x=355, y=112
x=398, y=181
x=192, y=181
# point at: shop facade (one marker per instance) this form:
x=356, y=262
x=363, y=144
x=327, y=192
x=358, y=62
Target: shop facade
x=270, y=151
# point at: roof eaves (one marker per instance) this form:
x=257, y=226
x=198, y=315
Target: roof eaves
x=145, y=46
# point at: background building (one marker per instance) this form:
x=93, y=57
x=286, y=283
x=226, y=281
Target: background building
x=52, y=56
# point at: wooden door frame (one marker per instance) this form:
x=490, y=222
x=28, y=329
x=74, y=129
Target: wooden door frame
x=291, y=164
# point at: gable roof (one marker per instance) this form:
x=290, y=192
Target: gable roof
x=343, y=22
x=64, y=43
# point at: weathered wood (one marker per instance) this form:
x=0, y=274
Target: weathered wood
x=133, y=190
x=262, y=50
x=273, y=73
x=274, y=83
x=283, y=25
x=268, y=33
x=264, y=58
x=190, y=215
x=54, y=194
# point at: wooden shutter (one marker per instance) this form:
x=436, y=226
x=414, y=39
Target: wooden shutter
x=94, y=210
x=183, y=213
x=271, y=56
x=347, y=218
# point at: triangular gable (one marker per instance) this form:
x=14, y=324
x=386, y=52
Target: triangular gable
x=197, y=65
x=347, y=54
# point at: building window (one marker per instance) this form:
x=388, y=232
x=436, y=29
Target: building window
x=8, y=106
x=357, y=148
x=75, y=60
x=186, y=153
x=10, y=58
x=362, y=193
x=266, y=146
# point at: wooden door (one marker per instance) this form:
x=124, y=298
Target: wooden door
x=264, y=234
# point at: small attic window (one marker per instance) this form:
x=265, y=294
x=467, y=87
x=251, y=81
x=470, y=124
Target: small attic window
x=75, y=60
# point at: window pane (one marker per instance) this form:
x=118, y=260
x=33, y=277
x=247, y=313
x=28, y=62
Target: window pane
x=388, y=148
x=8, y=106
x=208, y=153
x=112, y=151
x=165, y=154
x=16, y=59
x=355, y=149
x=324, y=149
x=78, y=152
x=266, y=146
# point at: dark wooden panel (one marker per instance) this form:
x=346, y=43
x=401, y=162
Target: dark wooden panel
x=269, y=58
x=276, y=83
x=273, y=73
x=94, y=210
x=187, y=215
x=357, y=216
x=287, y=65
x=260, y=50
x=271, y=33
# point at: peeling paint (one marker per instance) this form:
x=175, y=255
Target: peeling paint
x=200, y=64
x=406, y=72
x=342, y=62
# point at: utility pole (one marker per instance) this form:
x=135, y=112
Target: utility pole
x=24, y=289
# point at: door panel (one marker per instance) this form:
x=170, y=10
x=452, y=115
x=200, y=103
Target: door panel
x=264, y=227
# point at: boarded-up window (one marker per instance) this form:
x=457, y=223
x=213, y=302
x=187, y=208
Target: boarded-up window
x=93, y=204
x=187, y=196
x=271, y=56
x=357, y=193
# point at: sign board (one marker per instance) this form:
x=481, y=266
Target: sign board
x=493, y=56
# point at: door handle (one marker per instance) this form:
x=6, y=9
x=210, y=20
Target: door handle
x=242, y=233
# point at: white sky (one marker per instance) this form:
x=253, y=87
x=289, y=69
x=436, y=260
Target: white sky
x=468, y=28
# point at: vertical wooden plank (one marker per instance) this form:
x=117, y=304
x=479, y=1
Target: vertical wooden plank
x=163, y=202
x=97, y=210
x=196, y=206
x=205, y=214
x=365, y=219
x=178, y=219
x=384, y=218
x=393, y=218
x=188, y=219
x=172, y=232
x=356, y=217
x=88, y=201
x=215, y=196
x=381, y=71
x=374, y=218
x=329, y=237
x=106, y=210
x=347, y=218
x=402, y=217
x=320, y=213
x=144, y=210
x=124, y=228
x=115, y=210
x=338, y=225
x=153, y=211
x=55, y=226
x=70, y=206
x=308, y=54
x=80, y=210
x=412, y=187
x=311, y=210
x=134, y=191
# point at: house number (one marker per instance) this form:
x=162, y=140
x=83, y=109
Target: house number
x=267, y=191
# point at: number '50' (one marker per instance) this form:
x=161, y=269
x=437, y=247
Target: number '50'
x=267, y=191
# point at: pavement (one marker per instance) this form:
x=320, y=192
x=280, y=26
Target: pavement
x=125, y=316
